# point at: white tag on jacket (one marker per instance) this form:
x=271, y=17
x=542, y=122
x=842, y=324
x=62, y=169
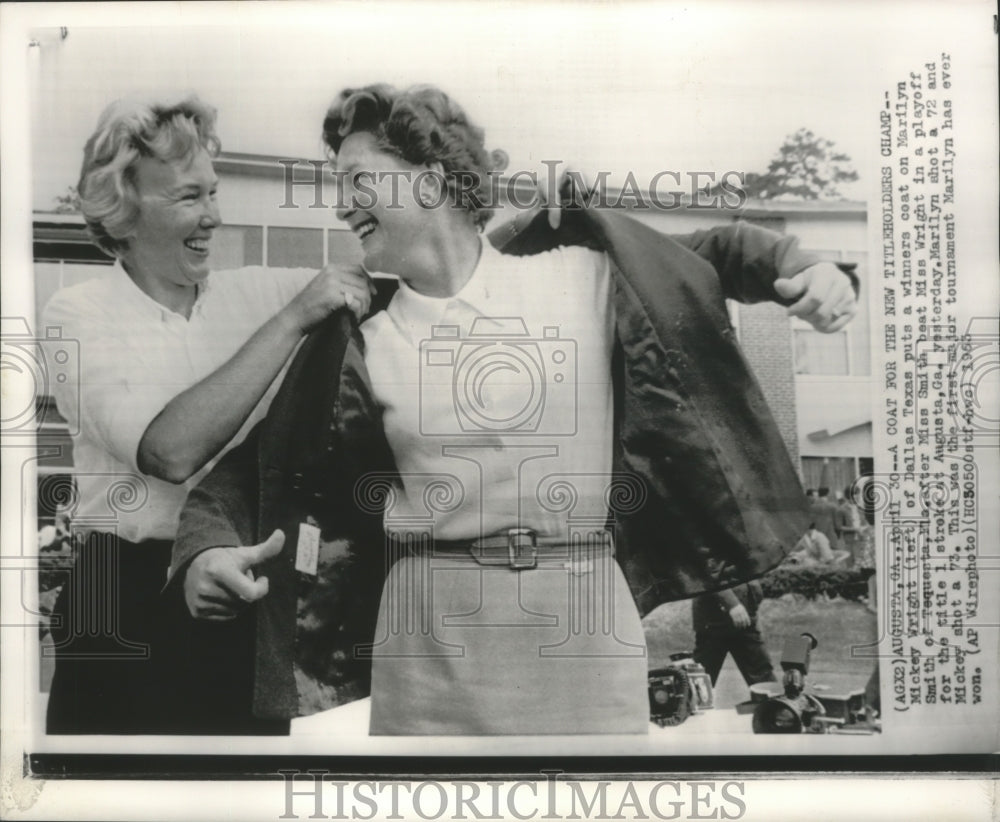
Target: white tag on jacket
x=307, y=550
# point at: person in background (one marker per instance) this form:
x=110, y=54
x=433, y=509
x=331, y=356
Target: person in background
x=824, y=514
x=814, y=548
x=176, y=363
x=725, y=622
x=864, y=557
x=849, y=525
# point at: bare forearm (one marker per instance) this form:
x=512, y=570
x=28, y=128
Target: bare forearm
x=197, y=424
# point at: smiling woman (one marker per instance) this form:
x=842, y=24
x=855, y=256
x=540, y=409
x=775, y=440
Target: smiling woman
x=176, y=363
x=532, y=625
x=177, y=214
x=500, y=427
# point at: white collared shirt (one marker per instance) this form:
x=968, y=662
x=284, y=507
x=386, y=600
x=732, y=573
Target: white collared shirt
x=498, y=401
x=135, y=356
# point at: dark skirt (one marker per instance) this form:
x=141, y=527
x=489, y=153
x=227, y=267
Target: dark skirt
x=131, y=660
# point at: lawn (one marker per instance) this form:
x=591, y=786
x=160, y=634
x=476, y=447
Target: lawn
x=838, y=624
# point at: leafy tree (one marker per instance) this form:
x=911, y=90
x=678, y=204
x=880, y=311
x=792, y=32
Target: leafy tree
x=68, y=203
x=806, y=167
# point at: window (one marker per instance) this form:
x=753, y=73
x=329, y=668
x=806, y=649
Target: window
x=846, y=352
x=295, y=247
x=235, y=246
x=342, y=247
x=819, y=353
x=835, y=473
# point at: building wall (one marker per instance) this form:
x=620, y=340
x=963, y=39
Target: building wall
x=765, y=337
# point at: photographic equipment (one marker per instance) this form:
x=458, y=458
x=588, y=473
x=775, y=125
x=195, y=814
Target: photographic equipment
x=500, y=378
x=801, y=710
x=678, y=690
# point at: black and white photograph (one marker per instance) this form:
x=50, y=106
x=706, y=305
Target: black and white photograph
x=391, y=389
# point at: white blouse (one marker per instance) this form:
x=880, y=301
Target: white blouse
x=498, y=401
x=135, y=356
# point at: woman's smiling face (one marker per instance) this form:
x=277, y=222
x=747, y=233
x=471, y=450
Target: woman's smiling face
x=379, y=202
x=177, y=215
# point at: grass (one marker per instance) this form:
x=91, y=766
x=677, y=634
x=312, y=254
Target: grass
x=838, y=624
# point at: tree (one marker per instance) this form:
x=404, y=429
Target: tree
x=68, y=203
x=806, y=167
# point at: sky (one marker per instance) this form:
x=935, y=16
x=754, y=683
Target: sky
x=641, y=87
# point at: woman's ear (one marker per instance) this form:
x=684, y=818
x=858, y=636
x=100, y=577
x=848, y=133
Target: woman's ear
x=432, y=186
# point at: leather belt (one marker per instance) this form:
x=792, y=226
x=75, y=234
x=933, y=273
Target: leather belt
x=518, y=548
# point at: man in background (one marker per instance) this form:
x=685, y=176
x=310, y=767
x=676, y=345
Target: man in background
x=725, y=622
x=824, y=516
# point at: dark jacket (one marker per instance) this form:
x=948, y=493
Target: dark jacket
x=713, y=499
x=710, y=612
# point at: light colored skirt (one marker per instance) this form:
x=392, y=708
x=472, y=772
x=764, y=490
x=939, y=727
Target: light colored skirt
x=467, y=649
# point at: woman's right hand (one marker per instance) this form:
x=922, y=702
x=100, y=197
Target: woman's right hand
x=220, y=582
x=335, y=286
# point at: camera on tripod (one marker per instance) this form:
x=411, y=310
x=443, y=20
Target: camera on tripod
x=803, y=709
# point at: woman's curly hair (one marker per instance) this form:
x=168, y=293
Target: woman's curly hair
x=420, y=125
x=127, y=131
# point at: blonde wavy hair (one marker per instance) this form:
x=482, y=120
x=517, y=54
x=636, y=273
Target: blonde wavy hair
x=127, y=131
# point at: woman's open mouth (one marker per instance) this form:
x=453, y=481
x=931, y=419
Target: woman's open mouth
x=365, y=228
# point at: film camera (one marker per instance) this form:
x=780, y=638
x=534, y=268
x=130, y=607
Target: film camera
x=803, y=709
x=678, y=690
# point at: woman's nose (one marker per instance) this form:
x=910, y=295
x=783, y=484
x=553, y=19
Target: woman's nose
x=344, y=207
x=212, y=217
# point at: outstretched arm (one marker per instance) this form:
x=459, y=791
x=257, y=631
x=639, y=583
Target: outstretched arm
x=755, y=264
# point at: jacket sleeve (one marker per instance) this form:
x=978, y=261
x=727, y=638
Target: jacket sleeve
x=221, y=510
x=748, y=259
x=726, y=598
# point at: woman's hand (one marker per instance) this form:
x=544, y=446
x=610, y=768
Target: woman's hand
x=824, y=297
x=571, y=188
x=332, y=288
x=220, y=581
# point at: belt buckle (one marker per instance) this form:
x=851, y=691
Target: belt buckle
x=522, y=550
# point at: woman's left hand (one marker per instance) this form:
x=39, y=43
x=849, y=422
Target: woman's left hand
x=823, y=294
x=571, y=187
